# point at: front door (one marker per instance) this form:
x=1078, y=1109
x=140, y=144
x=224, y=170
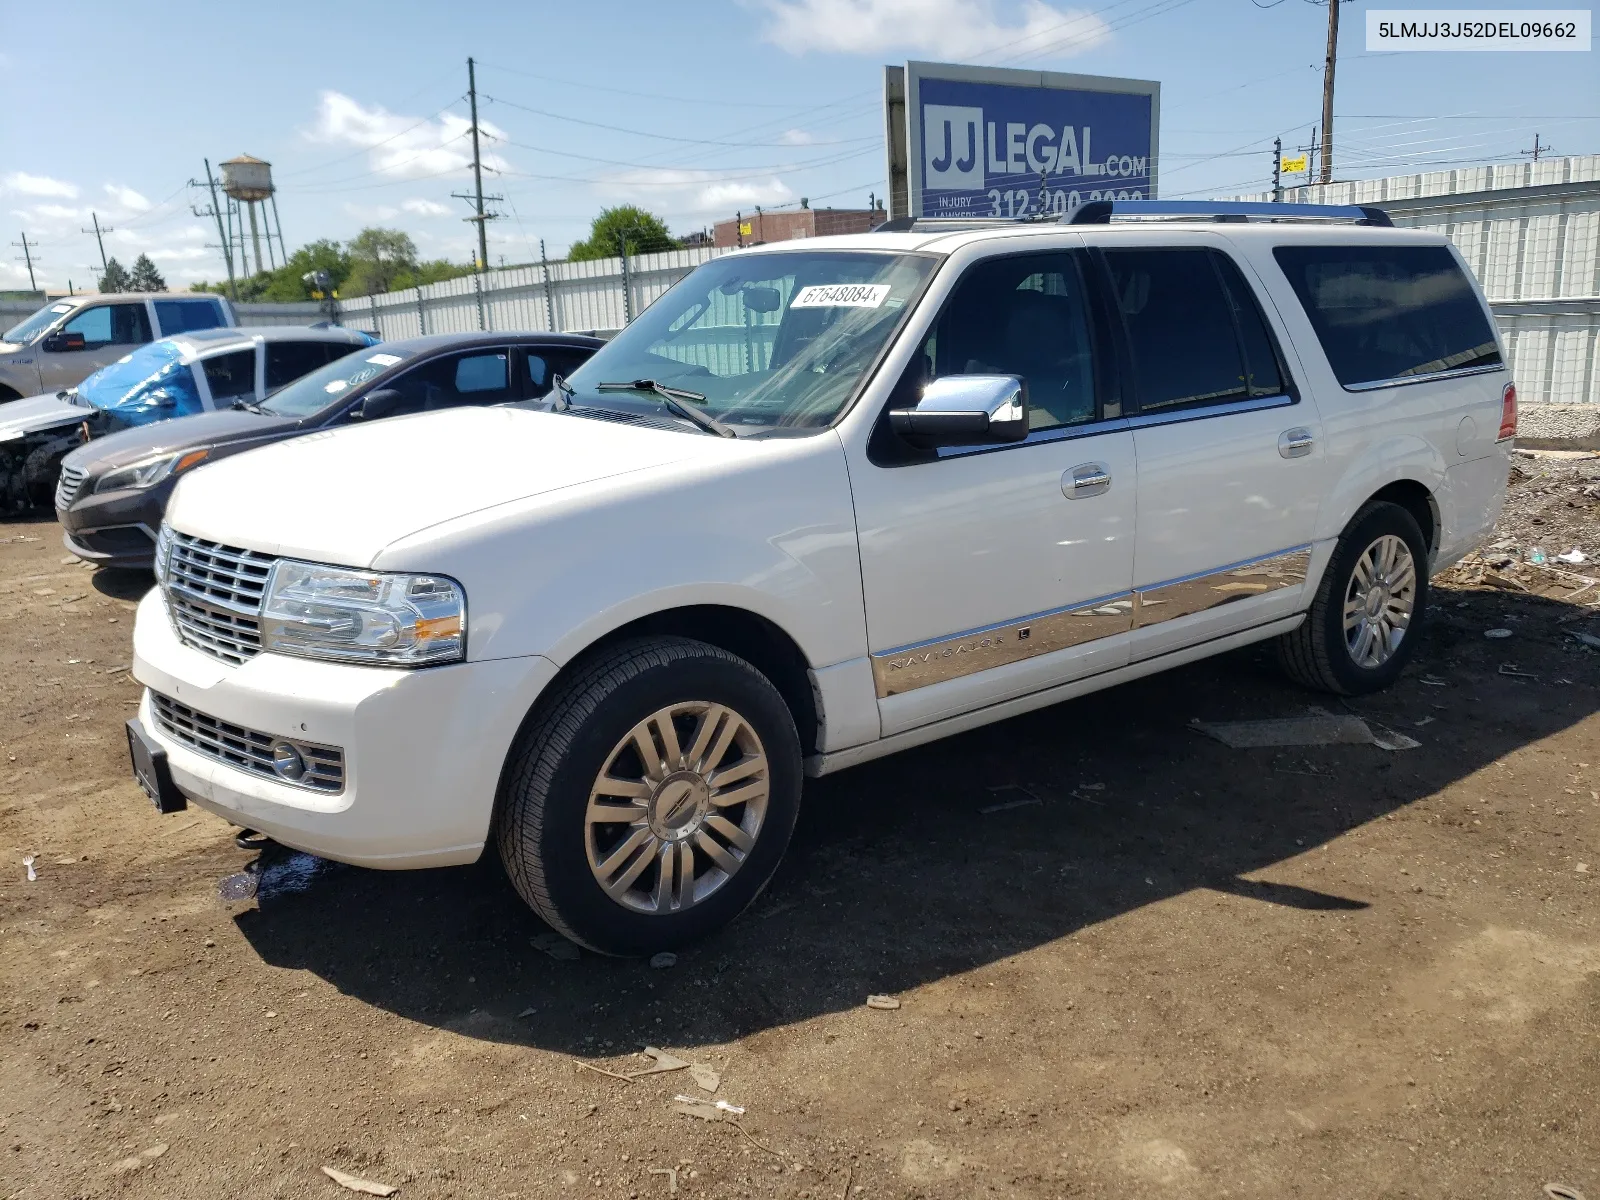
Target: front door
x=1230, y=458
x=108, y=330
x=993, y=572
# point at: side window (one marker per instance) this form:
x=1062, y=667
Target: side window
x=1260, y=355
x=481, y=377
x=1028, y=316
x=111, y=325
x=539, y=371
x=231, y=375
x=1180, y=328
x=183, y=316
x=287, y=361
x=1390, y=312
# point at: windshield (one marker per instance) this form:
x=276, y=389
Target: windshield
x=25, y=331
x=327, y=385
x=776, y=339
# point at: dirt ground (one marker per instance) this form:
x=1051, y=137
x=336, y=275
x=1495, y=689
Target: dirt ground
x=1162, y=968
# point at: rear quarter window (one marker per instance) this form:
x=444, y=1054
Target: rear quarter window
x=186, y=316
x=1390, y=313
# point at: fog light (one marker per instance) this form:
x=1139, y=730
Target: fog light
x=288, y=761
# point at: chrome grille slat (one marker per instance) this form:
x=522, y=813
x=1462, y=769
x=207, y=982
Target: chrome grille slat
x=215, y=593
x=68, y=484
x=246, y=749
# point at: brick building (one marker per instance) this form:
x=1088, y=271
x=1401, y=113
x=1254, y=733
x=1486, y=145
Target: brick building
x=753, y=228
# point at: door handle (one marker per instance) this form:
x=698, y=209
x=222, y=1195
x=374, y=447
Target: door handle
x=1296, y=443
x=1086, y=479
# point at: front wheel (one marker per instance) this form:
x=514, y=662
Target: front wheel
x=650, y=800
x=1362, y=627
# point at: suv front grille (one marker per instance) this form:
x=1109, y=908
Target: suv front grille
x=215, y=593
x=247, y=749
x=67, y=486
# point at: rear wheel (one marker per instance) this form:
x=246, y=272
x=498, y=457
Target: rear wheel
x=1362, y=627
x=651, y=799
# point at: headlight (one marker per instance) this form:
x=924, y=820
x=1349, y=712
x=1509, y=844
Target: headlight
x=363, y=616
x=149, y=472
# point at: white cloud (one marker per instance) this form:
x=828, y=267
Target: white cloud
x=960, y=30
x=127, y=197
x=372, y=212
x=23, y=184
x=693, y=193
x=425, y=208
x=797, y=137
x=398, y=146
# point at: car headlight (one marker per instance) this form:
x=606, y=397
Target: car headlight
x=363, y=616
x=149, y=472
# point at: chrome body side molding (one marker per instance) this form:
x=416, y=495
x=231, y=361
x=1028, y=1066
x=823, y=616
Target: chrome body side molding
x=907, y=668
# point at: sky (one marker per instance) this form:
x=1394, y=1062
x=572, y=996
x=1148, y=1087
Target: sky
x=694, y=110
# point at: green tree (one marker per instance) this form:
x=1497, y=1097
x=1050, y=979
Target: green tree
x=435, y=270
x=116, y=278
x=145, y=277
x=377, y=258
x=287, y=283
x=645, y=233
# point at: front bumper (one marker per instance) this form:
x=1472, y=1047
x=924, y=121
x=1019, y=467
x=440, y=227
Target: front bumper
x=115, y=529
x=423, y=749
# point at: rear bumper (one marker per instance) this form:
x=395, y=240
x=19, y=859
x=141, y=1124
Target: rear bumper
x=422, y=750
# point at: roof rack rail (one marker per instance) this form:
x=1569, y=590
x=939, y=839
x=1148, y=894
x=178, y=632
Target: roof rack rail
x=1101, y=212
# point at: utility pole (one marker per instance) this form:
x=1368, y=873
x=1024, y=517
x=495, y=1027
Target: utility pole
x=225, y=237
x=477, y=198
x=1537, y=149
x=98, y=230
x=1277, y=170
x=1327, y=90
x=27, y=257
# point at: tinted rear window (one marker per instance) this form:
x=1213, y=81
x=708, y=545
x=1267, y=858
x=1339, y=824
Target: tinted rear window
x=1390, y=312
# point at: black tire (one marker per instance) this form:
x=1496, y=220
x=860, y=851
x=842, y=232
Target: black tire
x=542, y=829
x=1316, y=655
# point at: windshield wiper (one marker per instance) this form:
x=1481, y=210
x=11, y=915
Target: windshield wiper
x=564, y=390
x=249, y=406
x=674, y=399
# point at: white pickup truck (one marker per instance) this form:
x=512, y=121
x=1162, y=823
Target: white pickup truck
x=821, y=502
x=65, y=342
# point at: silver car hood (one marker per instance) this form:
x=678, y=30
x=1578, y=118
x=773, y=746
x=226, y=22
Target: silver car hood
x=19, y=417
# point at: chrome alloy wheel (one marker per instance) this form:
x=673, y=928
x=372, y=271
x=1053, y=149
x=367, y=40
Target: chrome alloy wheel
x=1379, y=601
x=677, y=807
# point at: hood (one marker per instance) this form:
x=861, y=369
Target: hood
x=19, y=417
x=341, y=496
x=224, y=427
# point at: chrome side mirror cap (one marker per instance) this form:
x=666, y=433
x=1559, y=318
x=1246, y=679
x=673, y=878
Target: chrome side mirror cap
x=966, y=410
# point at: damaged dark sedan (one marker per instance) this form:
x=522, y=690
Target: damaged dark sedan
x=113, y=491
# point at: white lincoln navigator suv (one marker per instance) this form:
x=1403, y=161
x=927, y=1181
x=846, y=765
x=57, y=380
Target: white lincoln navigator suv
x=821, y=502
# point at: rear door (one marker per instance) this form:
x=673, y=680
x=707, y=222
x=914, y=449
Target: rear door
x=1230, y=464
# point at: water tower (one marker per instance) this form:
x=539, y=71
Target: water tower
x=248, y=181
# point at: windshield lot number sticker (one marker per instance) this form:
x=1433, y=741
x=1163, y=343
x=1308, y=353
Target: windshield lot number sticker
x=842, y=295
x=384, y=360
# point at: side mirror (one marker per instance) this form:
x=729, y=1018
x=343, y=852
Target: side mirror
x=966, y=410
x=383, y=402
x=58, y=343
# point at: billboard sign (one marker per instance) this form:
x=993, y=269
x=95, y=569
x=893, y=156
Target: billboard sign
x=991, y=142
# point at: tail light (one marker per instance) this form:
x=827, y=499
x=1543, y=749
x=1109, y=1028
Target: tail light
x=1508, y=413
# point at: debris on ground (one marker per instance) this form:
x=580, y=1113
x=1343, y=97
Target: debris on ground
x=1317, y=728
x=556, y=946
x=1573, y=556
x=663, y=960
x=527, y=1012
x=887, y=1003
x=134, y=1161
x=355, y=1183
x=662, y=1060
x=1497, y=633
x=705, y=1078
x=1388, y=739
x=33, y=876
x=1009, y=795
x=706, y=1110
x=1560, y=1191
x=1588, y=639
x=672, y=1178
x=1510, y=669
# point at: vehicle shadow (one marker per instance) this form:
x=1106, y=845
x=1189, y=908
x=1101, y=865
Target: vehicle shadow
x=898, y=876
x=122, y=583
